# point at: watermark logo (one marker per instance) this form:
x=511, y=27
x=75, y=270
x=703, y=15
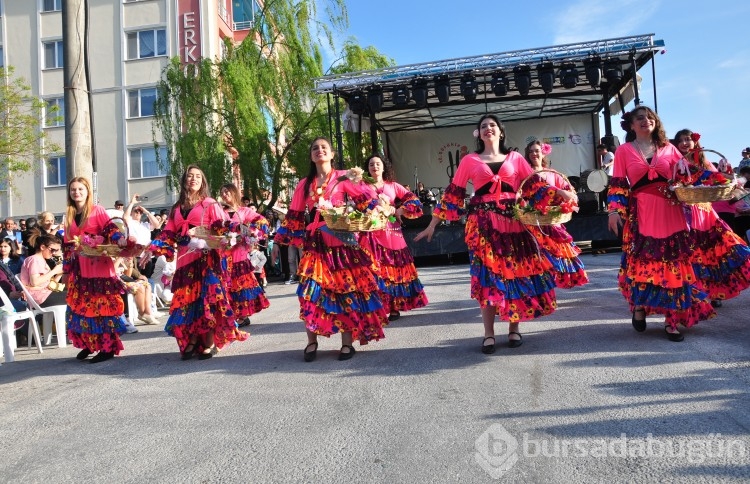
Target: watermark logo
x=496, y=451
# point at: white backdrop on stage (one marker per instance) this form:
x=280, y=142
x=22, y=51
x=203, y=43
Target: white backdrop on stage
x=434, y=154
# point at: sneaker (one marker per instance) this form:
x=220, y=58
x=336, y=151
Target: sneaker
x=131, y=330
x=289, y=281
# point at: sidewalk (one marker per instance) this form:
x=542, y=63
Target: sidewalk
x=585, y=399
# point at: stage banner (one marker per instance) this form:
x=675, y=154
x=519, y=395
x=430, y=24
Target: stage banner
x=433, y=155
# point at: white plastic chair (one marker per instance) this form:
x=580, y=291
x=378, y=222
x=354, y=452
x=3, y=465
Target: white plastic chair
x=8, y=317
x=56, y=313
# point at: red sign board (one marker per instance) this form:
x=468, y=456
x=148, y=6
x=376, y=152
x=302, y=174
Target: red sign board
x=189, y=30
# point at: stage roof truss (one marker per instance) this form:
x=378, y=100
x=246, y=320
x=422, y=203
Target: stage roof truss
x=630, y=53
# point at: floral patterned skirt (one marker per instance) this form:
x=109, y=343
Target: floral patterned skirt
x=246, y=294
x=338, y=290
x=508, y=269
x=557, y=245
x=655, y=271
x=94, y=318
x=721, y=259
x=201, y=303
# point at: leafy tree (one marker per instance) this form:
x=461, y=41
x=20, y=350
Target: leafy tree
x=259, y=100
x=22, y=139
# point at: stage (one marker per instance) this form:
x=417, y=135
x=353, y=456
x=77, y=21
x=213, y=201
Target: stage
x=448, y=239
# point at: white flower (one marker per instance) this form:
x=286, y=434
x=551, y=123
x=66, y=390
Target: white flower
x=355, y=174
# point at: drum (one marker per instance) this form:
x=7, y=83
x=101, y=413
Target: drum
x=594, y=180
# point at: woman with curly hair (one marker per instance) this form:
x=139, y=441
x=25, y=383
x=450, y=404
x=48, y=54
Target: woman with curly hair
x=338, y=289
x=400, y=287
x=510, y=278
x=656, y=275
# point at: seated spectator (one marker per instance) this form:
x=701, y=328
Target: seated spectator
x=9, y=229
x=9, y=255
x=46, y=222
x=161, y=278
x=137, y=285
x=42, y=281
x=31, y=224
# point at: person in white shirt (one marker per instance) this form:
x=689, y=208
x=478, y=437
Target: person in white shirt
x=607, y=158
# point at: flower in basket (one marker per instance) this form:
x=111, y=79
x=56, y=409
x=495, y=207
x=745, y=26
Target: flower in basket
x=356, y=175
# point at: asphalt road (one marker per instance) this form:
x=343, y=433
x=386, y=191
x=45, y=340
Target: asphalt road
x=585, y=399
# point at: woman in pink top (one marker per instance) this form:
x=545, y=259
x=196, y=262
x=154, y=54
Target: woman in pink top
x=247, y=296
x=554, y=241
x=36, y=274
x=95, y=309
x=509, y=276
x=720, y=258
x=400, y=287
x=201, y=317
x=656, y=276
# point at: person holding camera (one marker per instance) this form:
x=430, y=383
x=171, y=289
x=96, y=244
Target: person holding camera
x=42, y=279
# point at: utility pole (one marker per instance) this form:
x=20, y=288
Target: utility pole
x=78, y=142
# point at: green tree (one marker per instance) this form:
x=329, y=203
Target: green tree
x=259, y=98
x=22, y=140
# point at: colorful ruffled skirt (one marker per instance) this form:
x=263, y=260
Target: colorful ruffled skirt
x=201, y=303
x=655, y=271
x=557, y=245
x=95, y=315
x=338, y=290
x=246, y=294
x=398, y=281
x=508, y=271
x=721, y=259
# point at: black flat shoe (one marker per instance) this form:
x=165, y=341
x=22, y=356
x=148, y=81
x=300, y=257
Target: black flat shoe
x=676, y=337
x=515, y=343
x=716, y=303
x=189, y=352
x=83, y=354
x=311, y=355
x=394, y=316
x=208, y=353
x=103, y=356
x=488, y=349
x=639, y=324
x=245, y=322
x=348, y=355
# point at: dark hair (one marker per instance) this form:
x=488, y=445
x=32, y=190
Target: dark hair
x=388, y=174
x=658, y=136
x=38, y=239
x=480, y=143
x=232, y=188
x=545, y=161
x=13, y=243
x=313, y=169
x=184, y=200
x=31, y=223
x=698, y=156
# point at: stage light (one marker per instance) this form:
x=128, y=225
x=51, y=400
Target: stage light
x=400, y=96
x=469, y=87
x=613, y=71
x=419, y=92
x=546, y=72
x=568, y=75
x=522, y=79
x=443, y=88
x=593, y=67
x=499, y=84
x=375, y=99
x=357, y=102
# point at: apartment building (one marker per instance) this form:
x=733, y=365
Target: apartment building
x=130, y=43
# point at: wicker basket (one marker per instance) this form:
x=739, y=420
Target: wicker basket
x=704, y=193
x=111, y=250
x=536, y=218
x=337, y=219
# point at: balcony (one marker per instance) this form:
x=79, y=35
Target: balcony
x=246, y=25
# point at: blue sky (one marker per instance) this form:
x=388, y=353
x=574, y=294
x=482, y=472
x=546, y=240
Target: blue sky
x=702, y=81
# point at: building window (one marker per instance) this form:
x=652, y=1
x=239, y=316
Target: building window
x=55, y=168
x=53, y=55
x=51, y=5
x=143, y=162
x=141, y=102
x=55, y=112
x=147, y=43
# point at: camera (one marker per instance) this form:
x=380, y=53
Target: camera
x=140, y=199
